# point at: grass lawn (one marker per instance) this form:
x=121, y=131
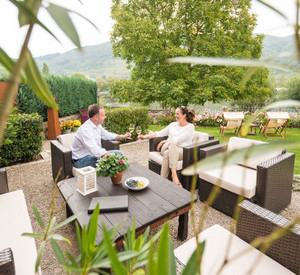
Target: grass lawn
x=292, y=134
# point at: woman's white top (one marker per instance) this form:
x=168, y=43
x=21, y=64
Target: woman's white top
x=182, y=136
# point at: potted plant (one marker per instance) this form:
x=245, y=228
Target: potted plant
x=75, y=124
x=65, y=127
x=112, y=165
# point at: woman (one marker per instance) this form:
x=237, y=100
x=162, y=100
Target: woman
x=180, y=134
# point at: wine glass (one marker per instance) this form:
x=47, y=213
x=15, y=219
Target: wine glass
x=131, y=128
x=138, y=130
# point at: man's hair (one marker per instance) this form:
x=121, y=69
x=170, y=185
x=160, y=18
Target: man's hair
x=94, y=110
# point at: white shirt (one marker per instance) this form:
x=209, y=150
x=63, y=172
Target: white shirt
x=87, y=140
x=182, y=136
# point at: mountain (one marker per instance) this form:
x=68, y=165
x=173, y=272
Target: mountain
x=93, y=61
x=281, y=49
x=98, y=60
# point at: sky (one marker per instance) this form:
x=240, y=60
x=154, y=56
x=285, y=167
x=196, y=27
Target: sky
x=98, y=11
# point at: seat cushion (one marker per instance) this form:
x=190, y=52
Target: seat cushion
x=157, y=157
x=15, y=220
x=200, y=137
x=236, y=143
x=234, y=178
x=66, y=140
x=217, y=239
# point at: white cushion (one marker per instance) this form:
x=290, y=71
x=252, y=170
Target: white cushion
x=15, y=220
x=234, y=178
x=233, y=115
x=200, y=137
x=66, y=139
x=278, y=115
x=217, y=240
x=158, y=158
x=236, y=143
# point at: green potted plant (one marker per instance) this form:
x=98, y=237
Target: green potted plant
x=112, y=165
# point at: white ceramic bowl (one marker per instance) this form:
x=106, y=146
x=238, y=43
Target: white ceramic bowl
x=144, y=180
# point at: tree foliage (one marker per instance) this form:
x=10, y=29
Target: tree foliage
x=45, y=69
x=146, y=33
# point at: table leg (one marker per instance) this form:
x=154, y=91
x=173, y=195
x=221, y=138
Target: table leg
x=183, y=226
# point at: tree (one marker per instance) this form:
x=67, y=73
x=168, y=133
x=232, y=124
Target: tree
x=104, y=84
x=293, y=88
x=45, y=69
x=146, y=33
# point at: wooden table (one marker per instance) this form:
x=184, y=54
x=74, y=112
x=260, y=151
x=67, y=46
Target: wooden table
x=159, y=202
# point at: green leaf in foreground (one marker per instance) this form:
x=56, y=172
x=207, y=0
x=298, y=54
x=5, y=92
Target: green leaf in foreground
x=238, y=156
x=37, y=82
x=38, y=216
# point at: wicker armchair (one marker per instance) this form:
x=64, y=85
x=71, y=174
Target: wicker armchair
x=3, y=181
x=255, y=221
x=7, y=265
x=61, y=156
x=188, y=157
x=272, y=186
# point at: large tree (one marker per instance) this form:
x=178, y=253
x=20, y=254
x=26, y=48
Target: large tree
x=147, y=32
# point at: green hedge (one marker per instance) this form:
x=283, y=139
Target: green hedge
x=23, y=139
x=72, y=94
x=118, y=120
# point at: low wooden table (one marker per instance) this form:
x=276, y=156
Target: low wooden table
x=160, y=201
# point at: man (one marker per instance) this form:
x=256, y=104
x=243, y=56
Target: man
x=86, y=148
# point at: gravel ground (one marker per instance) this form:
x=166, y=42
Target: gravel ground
x=35, y=179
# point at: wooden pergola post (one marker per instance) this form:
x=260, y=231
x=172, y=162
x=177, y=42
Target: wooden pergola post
x=53, y=124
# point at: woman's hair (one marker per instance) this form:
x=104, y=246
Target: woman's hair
x=190, y=115
x=94, y=110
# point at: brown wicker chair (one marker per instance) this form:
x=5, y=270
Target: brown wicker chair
x=273, y=183
x=188, y=157
x=7, y=265
x=3, y=181
x=61, y=157
x=255, y=221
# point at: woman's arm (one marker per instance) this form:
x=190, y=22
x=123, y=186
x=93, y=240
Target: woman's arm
x=151, y=135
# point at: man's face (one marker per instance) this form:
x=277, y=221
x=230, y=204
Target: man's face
x=101, y=116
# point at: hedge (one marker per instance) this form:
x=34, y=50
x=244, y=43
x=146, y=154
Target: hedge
x=118, y=120
x=71, y=93
x=23, y=139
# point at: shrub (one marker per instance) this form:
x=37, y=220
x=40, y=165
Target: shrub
x=118, y=120
x=71, y=93
x=26, y=140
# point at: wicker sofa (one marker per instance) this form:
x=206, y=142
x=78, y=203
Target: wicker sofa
x=254, y=221
x=201, y=140
x=17, y=253
x=61, y=154
x=266, y=180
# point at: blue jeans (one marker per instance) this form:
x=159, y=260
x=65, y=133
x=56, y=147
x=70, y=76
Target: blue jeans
x=90, y=160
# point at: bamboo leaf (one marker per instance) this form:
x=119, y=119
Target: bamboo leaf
x=23, y=8
x=52, y=223
x=37, y=82
x=33, y=235
x=217, y=61
x=39, y=256
x=151, y=266
x=61, y=16
x=238, y=156
x=38, y=216
x=117, y=266
x=166, y=259
x=59, y=254
x=68, y=220
x=191, y=266
x=283, y=104
x=59, y=238
x=273, y=8
x=93, y=226
x=71, y=258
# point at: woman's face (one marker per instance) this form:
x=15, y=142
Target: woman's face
x=179, y=116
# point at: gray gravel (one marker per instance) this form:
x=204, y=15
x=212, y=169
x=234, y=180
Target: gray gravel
x=35, y=179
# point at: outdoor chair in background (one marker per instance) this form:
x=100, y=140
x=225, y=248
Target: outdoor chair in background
x=200, y=140
x=232, y=121
x=265, y=180
x=277, y=122
x=220, y=244
x=61, y=154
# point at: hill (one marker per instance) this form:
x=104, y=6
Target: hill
x=94, y=61
x=98, y=60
